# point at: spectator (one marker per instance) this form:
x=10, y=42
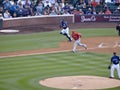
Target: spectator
x=98, y=1
x=26, y=10
x=75, y=11
x=1, y=10
x=108, y=11
x=53, y=12
x=94, y=11
x=15, y=1
x=54, y=7
x=81, y=12
x=46, y=10
x=116, y=12
x=47, y=3
x=87, y=1
x=57, y=8
x=100, y=6
x=105, y=7
x=7, y=14
x=117, y=2
x=60, y=9
x=1, y=16
x=102, y=2
x=94, y=3
x=84, y=7
x=12, y=2
x=101, y=12
x=63, y=3
x=89, y=5
x=20, y=10
x=1, y=2
x=67, y=8
x=118, y=8
x=14, y=15
x=66, y=12
x=79, y=4
x=89, y=11
x=108, y=1
x=32, y=10
x=25, y=2
x=59, y=1
x=13, y=8
x=75, y=3
x=6, y=4
x=52, y=1
x=39, y=8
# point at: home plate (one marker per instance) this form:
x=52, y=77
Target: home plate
x=9, y=31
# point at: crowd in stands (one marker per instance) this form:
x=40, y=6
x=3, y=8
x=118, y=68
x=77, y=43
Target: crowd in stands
x=22, y=8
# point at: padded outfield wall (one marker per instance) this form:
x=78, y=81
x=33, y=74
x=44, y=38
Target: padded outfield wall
x=55, y=20
x=36, y=20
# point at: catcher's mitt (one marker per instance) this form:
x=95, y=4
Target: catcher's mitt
x=109, y=67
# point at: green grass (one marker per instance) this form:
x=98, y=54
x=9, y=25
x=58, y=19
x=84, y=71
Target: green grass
x=28, y=41
x=96, y=32
x=24, y=72
x=46, y=39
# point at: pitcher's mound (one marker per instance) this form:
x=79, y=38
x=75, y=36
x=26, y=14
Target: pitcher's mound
x=80, y=82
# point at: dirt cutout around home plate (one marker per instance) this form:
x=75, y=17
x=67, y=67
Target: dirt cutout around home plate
x=80, y=82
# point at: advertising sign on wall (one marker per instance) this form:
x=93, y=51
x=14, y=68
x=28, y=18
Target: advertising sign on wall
x=97, y=18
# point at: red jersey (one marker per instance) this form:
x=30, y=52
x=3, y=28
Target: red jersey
x=76, y=35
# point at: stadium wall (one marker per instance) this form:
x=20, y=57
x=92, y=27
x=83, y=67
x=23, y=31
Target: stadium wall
x=36, y=20
x=55, y=20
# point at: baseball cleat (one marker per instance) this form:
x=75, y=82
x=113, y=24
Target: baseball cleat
x=111, y=77
x=73, y=51
x=70, y=40
x=85, y=46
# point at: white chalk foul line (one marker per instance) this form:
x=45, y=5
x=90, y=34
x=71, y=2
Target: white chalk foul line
x=101, y=45
x=43, y=53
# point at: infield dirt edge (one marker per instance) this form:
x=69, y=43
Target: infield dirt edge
x=80, y=82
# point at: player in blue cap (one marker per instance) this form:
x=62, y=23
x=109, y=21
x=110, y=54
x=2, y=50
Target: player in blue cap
x=65, y=29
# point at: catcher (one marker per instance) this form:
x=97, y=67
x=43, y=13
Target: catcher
x=114, y=65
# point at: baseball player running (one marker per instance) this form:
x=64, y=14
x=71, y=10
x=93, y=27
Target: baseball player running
x=114, y=65
x=65, y=29
x=77, y=37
